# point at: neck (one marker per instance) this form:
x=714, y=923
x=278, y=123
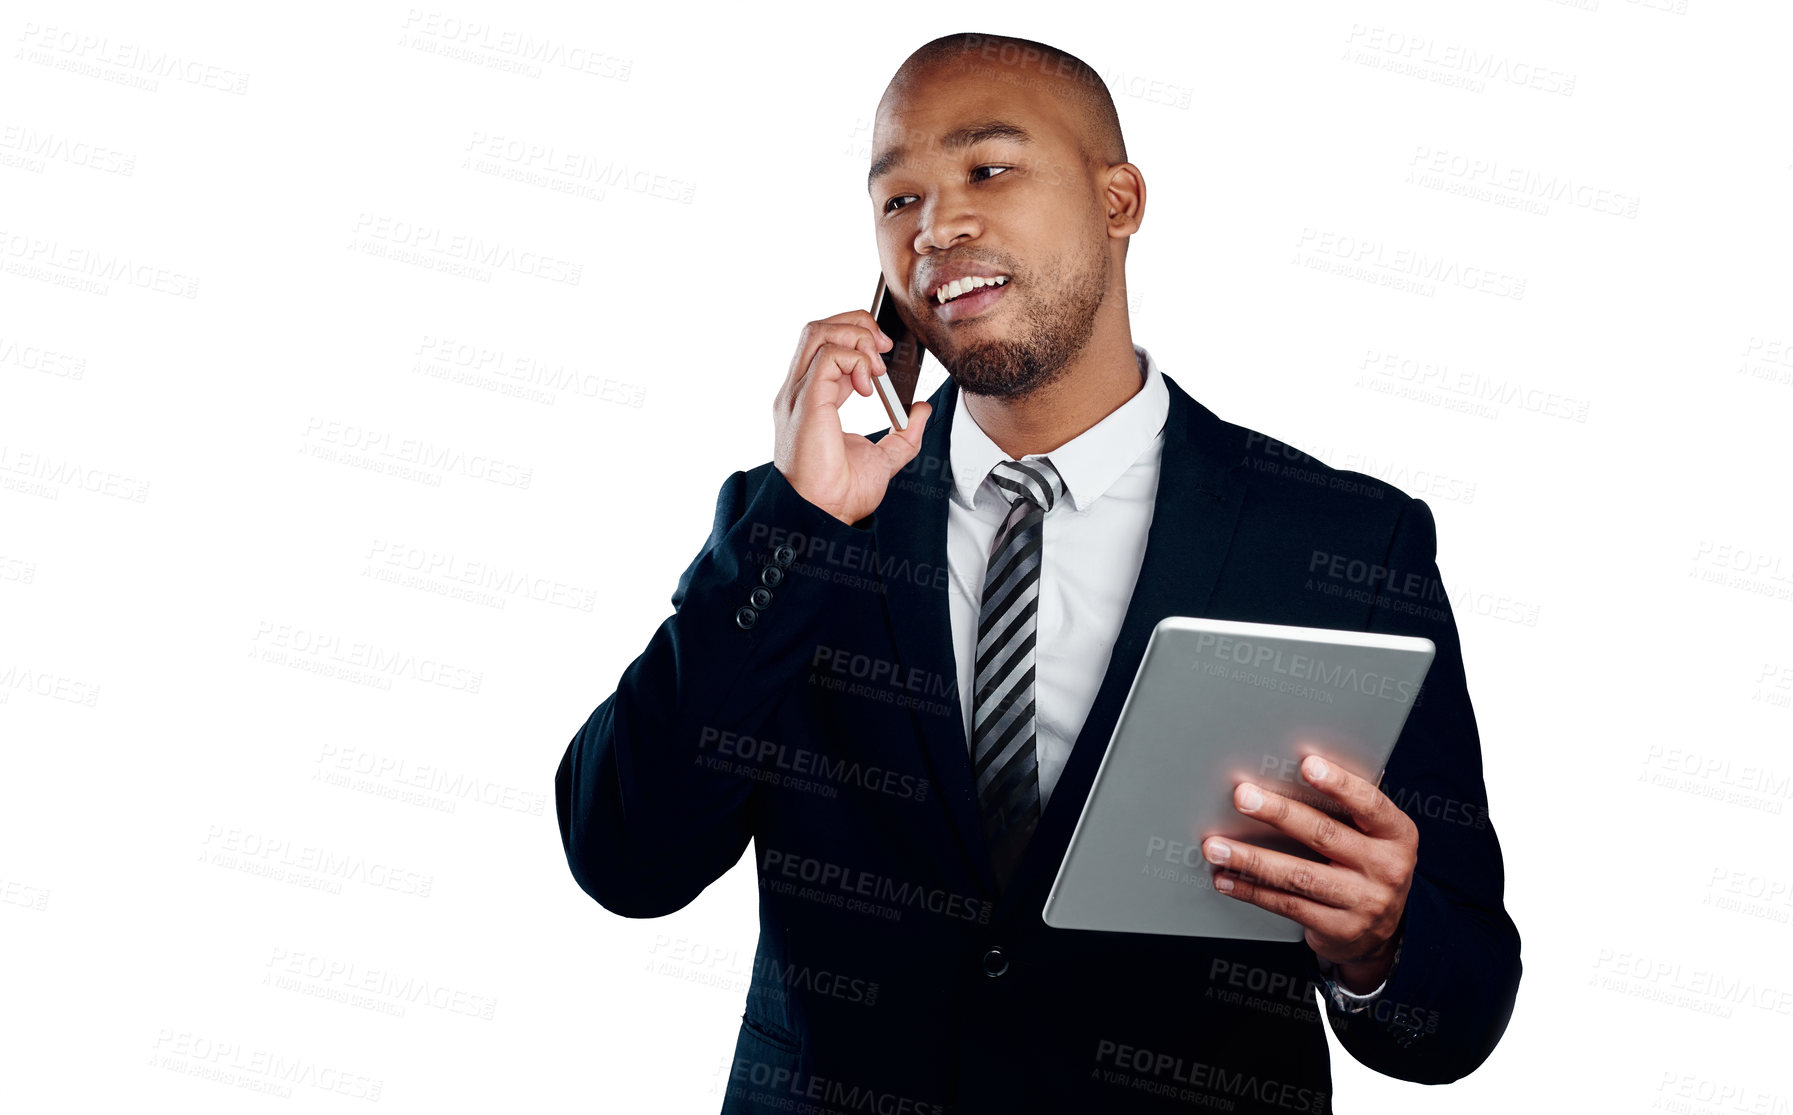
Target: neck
x=1093, y=385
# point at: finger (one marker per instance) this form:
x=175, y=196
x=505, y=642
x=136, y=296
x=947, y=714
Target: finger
x=805, y=361
x=1338, y=887
x=1326, y=834
x=815, y=335
x=861, y=318
x=1371, y=809
x=1329, y=922
x=854, y=328
x=833, y=376
x=861, y=375
x=901, y=446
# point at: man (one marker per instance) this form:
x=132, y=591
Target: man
x=897, y=661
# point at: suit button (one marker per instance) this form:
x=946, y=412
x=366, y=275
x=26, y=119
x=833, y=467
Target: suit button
x=745, y=617
x=771, y=576
x=784, y=555
x=994, y=962
x=760, y=597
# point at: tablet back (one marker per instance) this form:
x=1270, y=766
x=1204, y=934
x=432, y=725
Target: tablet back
x=1215, y=703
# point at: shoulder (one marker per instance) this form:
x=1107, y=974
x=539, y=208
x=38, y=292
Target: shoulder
x=1294, y=494
x=1276, y=465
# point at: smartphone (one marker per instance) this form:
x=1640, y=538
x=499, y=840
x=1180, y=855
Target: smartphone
x=902, y=364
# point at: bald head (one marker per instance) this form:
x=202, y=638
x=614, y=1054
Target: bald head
x=1029, y=64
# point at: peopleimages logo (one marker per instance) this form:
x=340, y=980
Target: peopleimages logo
x=1301, y=667
x=465, y=248
x=1196, y=1082
x=832, y=880
x=768, y=756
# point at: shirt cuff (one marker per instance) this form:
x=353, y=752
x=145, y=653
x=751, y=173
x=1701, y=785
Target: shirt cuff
x=1350, y=1002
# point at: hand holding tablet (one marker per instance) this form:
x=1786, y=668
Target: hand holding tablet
x=1350, y=906
x=1216, y=707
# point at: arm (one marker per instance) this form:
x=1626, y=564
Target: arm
x=645, y=825
x=1446, y=1003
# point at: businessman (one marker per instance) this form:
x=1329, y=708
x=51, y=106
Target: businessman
x=895, y=664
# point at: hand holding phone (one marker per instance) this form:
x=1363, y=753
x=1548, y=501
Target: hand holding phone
x=843, y=474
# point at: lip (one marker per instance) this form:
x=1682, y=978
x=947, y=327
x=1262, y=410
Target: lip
x=973, y=304
x=959, y=269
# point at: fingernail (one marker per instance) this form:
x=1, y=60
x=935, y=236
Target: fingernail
x=1249, y=798
x=1223, y=884
x=1315, y=767
x=1218, y=851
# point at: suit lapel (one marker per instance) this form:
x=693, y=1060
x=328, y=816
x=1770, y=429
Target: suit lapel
x=1200, y=492
x=911, y=524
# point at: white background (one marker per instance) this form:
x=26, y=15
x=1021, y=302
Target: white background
x=205, y=512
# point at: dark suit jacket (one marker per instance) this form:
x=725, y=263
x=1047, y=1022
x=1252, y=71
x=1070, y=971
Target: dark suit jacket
x=821, y=721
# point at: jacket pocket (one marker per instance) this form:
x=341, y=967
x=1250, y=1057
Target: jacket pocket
x=762, y=1071
x=778, y=1039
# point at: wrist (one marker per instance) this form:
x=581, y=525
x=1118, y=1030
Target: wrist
x=1362, y=978
x=1365, y=974
x=837, y=516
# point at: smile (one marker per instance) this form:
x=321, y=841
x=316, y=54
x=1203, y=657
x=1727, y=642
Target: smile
x=966, y=285
x=972, y=301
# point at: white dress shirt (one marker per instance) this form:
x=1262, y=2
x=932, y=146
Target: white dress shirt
x=1093, y=543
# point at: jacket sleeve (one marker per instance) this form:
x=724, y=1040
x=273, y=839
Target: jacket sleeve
x=646, y=823
x=1447, y=1002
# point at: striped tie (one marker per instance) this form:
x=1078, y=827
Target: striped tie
x=1002, y=718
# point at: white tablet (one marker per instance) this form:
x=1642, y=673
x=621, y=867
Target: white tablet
x=1215, y=703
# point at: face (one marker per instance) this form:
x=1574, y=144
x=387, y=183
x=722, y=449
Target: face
x=950, y=199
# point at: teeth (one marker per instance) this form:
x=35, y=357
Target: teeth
x=959, y=286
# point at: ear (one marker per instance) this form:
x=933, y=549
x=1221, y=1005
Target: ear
x=1124, y=195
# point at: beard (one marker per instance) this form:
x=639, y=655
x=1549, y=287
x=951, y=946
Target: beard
x=1055, y=322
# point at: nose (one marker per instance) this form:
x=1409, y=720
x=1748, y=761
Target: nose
x=948, y=220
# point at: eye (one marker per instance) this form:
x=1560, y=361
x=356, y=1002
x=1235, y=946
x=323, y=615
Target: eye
x=891, y=206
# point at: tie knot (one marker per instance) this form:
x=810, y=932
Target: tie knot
x=1035, y=481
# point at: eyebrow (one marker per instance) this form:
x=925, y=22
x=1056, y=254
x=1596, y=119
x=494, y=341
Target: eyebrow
x=951, y=141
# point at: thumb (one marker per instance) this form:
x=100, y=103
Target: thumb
x=905, y=444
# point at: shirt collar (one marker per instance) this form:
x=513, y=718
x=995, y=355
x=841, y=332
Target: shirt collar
x=1089, y=463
